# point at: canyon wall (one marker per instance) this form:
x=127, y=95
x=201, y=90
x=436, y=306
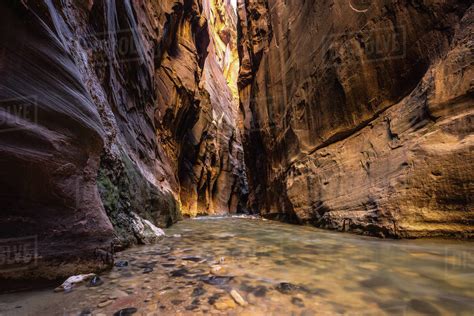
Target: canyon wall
x=110, y=129
x=358, y=115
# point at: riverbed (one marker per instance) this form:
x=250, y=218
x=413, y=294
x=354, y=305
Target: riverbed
x=250, y=266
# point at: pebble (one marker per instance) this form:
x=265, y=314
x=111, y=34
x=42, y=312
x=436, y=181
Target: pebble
x=193, y=258
x=238, y=298
x=224, y=303
x=179, y=273
x=218, y=270
x=121, y=264
x=286, y=288
x=105, y=303
x=216, y=280
x=251, y=299
x=198, y=291
x=86, y=312
x=96, y=281
x=126, y=311
x=297, y=301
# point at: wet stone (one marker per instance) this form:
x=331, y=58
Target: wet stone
x=213, y=298
x=216, y=280
x=95, y=281
x=297, y=301
x=105, y=303
x=179, y=272
x=121, y=264
x=168, y=265
x=86, y=312
x=260, y=291
x=238, y=298
x=199, y=291
x=126, y=311
x=191, y=307
x=193, y=258
x=286, y=288
x=225, y=303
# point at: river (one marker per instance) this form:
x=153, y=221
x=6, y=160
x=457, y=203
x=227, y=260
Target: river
x=276, y=268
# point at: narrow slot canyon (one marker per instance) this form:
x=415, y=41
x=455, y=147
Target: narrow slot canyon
x=236, y=157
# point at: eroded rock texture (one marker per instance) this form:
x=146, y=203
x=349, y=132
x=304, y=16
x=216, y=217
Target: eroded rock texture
x=111, y=125
x=212, y=170
x=359, y=117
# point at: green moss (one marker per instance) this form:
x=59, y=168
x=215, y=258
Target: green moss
x=123, y=189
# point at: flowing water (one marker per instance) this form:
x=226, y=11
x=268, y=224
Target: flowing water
x=278, y=269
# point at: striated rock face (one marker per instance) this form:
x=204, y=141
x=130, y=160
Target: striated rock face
x=212, y=173
x=112, y=126
x=358, y=114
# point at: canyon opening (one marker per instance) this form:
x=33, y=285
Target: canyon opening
x=236, y=157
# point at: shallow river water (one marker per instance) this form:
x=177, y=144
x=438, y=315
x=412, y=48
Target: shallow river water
x=277, y=269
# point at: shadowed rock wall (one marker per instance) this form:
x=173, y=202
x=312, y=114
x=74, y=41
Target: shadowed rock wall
x=358, y=115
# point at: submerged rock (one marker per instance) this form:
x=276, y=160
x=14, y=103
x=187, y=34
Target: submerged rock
x=193, y=258
x=218, y=270
x=126, y=311
x=238, y=298
x=95, y=281
x=179, y=272
x=297, y=301
x=287, y=288
x=216, y=280
x=105, y=303
x=121, y=264
x=199, y=291
x=225, y=303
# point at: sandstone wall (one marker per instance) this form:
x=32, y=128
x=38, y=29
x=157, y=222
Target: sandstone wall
x=108, y=128
x=358, y=115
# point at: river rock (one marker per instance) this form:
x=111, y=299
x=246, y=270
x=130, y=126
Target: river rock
x=218, y=270
x=126, y=311
x=224, y=303
x=105, y=303
x=217, y=280
x=74, y=280
x=121, y=263
x=95, y=281
x=237, y=297
x=287, y=288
